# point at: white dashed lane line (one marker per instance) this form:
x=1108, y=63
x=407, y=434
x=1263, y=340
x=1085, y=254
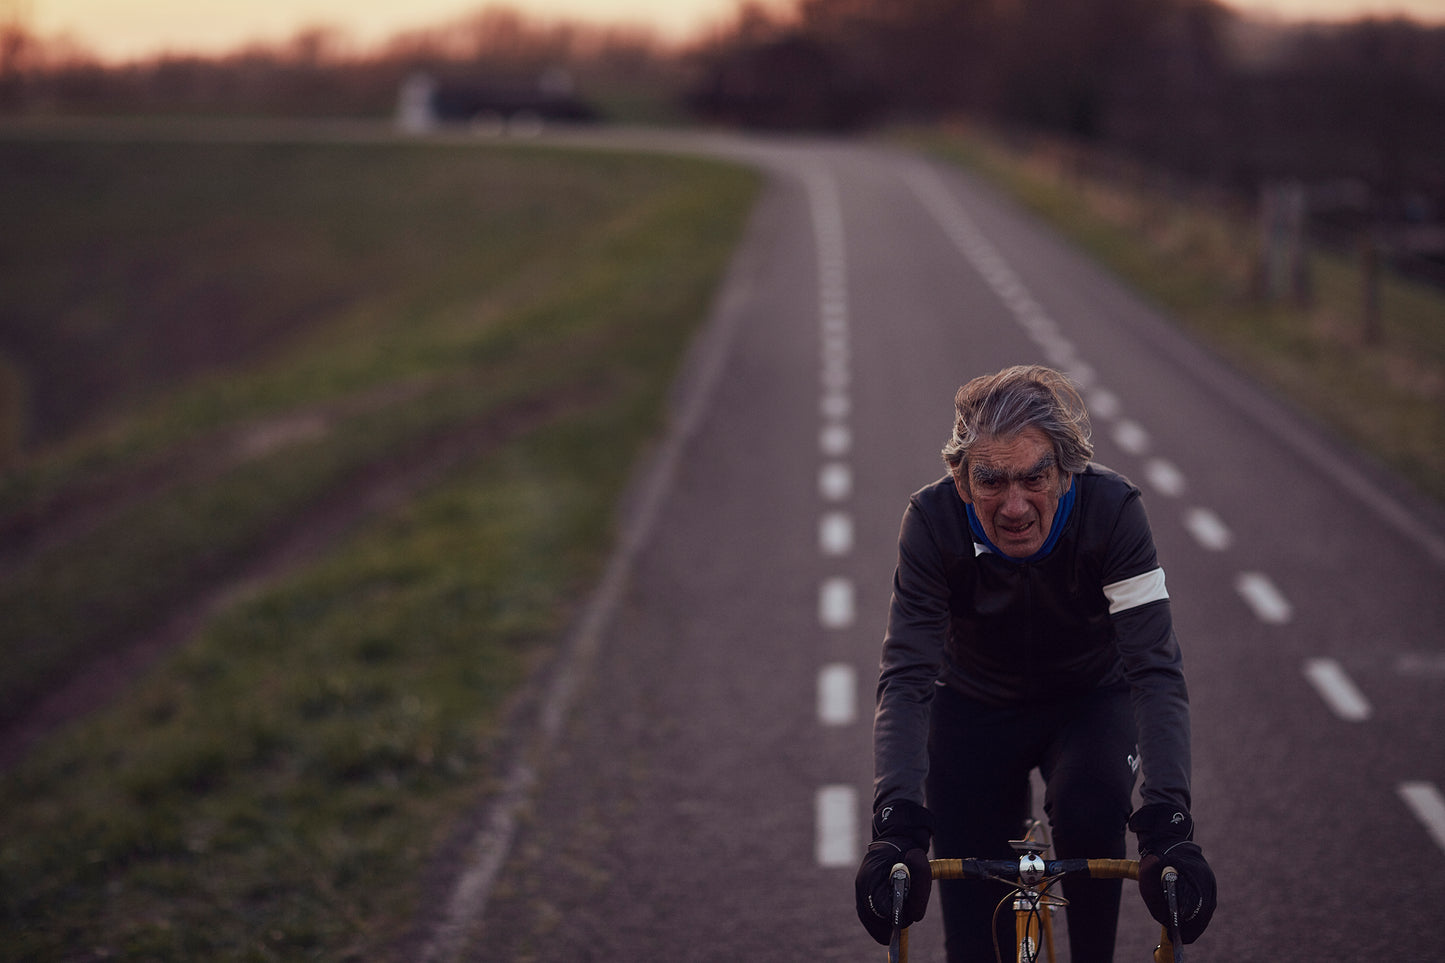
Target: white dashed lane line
x=837, y=694
x=835, y=603
x=1266, y=601
x=835, y=534
x=1131, y=436
x=1346, y=701
x=1337, y=689
x=1164, y=477
x=835, y=481
x=836, y=825
x=836, y=806
x=1428, y=805
x=835, y=440
x=1269, y=604
x=1104, y=404
x=834, y=405
x=1207, y=529
x=1082, y=374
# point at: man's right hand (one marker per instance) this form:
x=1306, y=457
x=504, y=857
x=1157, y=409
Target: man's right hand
x=901, y=833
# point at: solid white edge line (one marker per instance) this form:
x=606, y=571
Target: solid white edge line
x=1428, y=805
x=487, y=850
x=1338, y=690
x=837, y=694
x=836, y=843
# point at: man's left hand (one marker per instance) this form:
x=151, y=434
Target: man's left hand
x=1166, y=839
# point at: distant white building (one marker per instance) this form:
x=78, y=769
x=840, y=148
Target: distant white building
x=415, y=113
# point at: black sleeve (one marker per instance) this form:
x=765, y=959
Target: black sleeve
x=1153, y=664
x=912, y=651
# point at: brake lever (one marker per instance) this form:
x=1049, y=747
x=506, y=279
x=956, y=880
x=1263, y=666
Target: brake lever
x=900, y=893
x=1171, y=878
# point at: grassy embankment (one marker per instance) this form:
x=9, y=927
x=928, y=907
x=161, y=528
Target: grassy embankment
x=1386, y=397
x=272, y=790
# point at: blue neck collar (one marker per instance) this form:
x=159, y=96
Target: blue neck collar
x=1061, y=517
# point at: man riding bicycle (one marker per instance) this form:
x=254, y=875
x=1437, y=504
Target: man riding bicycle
x=1029, y=628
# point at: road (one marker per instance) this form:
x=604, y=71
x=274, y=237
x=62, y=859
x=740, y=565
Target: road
x=703, y=790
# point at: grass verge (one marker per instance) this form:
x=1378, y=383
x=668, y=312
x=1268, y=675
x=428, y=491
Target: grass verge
x=516, y=273
x=1198, y=259
x=271, y=791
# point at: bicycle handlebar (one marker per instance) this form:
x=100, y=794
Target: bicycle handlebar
x=1169, y=949
x=1008, y=869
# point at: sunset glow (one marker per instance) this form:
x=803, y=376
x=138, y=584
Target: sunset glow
x=1430, y=11
x=123, y=29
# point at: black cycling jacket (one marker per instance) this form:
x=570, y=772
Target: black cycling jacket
x=1091, y=612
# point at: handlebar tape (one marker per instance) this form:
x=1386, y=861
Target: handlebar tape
x=1008, y=868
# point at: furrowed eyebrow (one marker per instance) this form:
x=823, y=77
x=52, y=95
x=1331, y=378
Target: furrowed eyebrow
x=985, y=474
x=1043, y=465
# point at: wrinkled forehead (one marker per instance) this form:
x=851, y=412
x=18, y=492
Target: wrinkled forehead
x=1027, y=452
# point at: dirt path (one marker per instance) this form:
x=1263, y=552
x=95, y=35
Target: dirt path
x=294, y=541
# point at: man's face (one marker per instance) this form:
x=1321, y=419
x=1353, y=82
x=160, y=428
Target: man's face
x=1014, y=485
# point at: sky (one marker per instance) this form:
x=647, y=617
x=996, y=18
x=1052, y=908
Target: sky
x=122, y=29
x=119, y=29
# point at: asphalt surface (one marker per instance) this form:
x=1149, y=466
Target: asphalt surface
x=702, y=801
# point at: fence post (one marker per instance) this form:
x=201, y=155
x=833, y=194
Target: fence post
x=1284, y=268
x=1297, y=221
x=1370, y=280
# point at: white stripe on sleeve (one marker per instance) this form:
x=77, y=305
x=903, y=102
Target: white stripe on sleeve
x=1132, y=592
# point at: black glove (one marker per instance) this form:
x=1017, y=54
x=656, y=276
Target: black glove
x=1165, y=839
x=901, y=833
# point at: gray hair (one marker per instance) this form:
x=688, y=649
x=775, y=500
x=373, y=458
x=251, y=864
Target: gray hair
x=1024, y=396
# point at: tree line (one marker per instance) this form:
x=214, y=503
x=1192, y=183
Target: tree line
x=1190, y=87
x=320, y=73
